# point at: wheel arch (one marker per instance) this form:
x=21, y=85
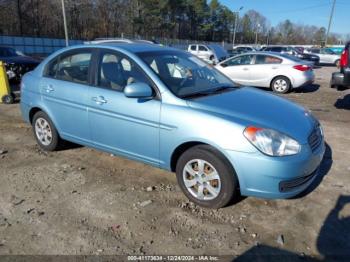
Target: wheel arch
x=180, y=149
x=32, y=112
x=288, y=77
x=39, y=108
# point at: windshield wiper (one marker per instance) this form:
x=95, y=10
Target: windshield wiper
x=208, y=92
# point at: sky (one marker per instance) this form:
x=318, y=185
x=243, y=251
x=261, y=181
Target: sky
x=309, y=12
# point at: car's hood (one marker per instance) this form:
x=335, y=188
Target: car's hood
x=20, y=60
x=249, y=106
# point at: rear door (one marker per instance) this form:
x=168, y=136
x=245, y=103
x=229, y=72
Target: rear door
x=64, y=88
x=263, y=70
x=238, y=68
x=203, y=52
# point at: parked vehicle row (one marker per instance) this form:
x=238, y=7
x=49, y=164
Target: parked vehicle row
x=314, y=59
x=170, y=109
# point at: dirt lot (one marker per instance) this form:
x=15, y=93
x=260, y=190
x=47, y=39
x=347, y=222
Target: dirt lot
x=81, y=201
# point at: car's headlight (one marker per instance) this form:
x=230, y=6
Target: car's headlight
x=271, y=142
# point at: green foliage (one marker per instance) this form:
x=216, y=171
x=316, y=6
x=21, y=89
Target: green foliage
x=181, y=19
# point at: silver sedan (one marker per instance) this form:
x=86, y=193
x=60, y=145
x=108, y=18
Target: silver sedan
x=267, y=69
x=327, y=56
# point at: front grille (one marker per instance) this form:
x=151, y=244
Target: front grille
x=289, y=185
x=315, y=138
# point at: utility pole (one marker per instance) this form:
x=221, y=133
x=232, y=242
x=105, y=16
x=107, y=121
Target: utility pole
x=236, y=24
x=268, y=37
x=330, y=22
x=65, y=23
x=256, y=33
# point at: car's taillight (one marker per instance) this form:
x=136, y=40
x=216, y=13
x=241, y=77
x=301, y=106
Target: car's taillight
x=344, y=59
x=302, y=67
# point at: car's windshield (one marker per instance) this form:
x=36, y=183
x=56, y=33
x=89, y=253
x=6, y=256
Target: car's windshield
x=184, y=74
x=328, y=52
x=9, y=52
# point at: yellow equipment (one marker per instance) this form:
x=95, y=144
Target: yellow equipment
x=5, y=92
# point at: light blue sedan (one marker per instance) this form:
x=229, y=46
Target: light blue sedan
x=169, y=109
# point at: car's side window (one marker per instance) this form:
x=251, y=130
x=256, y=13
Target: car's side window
x=116, y=71
x=72, y=68
x=193, y=48
x=277, y=49
x=266, y=59
x=241, y=60
x=51, y=68
x=202, y=48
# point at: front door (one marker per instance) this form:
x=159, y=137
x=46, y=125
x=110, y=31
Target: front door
x=238, y=69
x=121, y=125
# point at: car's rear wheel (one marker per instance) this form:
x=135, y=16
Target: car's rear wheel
x=8, y=99
x=206, y=177
x=280, y=84
x=45, y=132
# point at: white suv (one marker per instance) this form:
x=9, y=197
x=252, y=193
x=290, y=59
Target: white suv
x=212, y=53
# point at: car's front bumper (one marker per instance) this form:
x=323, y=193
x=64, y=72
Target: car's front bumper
x=337, y=79
x=276, y=177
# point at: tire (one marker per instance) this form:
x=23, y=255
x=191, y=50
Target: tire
x=337, y=63
x=280, y=84
x=50, y=140
x=8, y=99
x=223, y=188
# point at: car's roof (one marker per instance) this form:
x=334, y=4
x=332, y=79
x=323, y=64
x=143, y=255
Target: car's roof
x=135, y=47
x=262, y=53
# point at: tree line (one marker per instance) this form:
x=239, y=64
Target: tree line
x=172, y=19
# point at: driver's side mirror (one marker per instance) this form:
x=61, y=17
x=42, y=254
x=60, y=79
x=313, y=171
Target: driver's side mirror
x=224, y=65
x=138, y=90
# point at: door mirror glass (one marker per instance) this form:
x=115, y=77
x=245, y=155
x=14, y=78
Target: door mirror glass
x=138, y=90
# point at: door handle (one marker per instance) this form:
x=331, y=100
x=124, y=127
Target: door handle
x=245, y=69
x=48, y=88
x=274, y=67
x=99, y=100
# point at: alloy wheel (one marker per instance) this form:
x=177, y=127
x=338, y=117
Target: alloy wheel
x=43, y=131
x=201, y=179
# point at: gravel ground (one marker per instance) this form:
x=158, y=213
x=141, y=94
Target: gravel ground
x=81, y=201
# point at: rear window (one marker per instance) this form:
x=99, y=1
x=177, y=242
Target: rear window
x=73, y=67
x=266, y=59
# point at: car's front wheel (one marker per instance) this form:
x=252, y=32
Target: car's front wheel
x=281, y=84
x=45, y=132
x=337, y=63
x=206, y=177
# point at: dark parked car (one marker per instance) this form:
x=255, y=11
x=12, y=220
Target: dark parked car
x=17, y=64
x=294, y=52
x=342, y=78
x=237, y=50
